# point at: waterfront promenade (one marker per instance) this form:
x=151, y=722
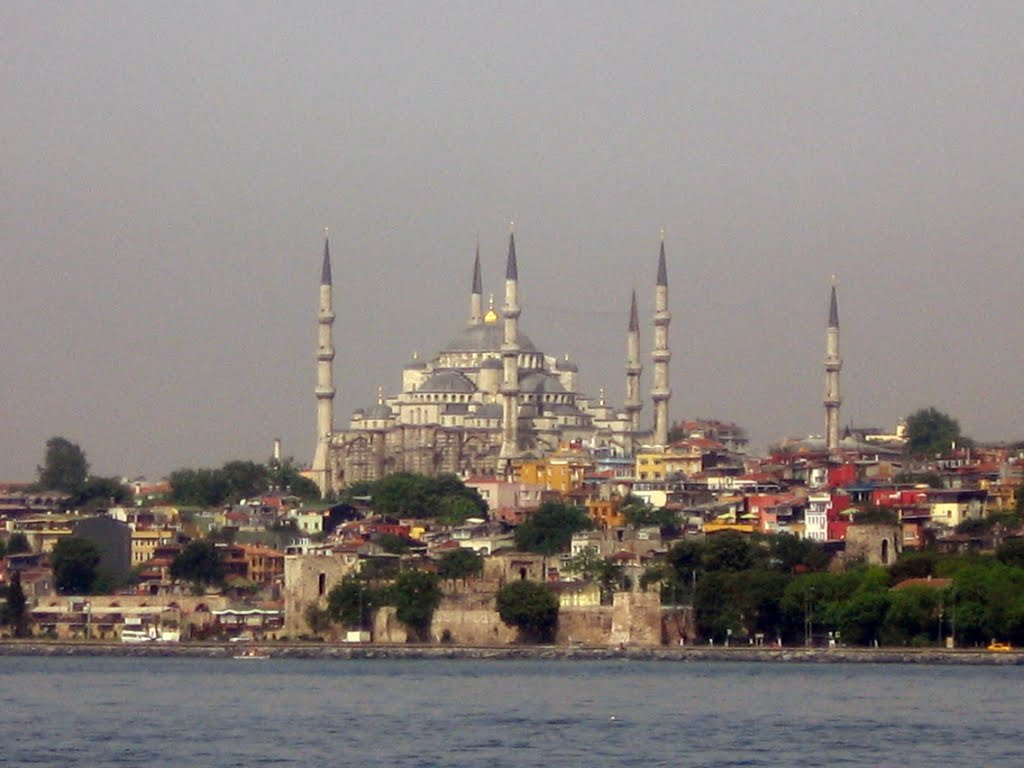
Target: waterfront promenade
x=291, y=650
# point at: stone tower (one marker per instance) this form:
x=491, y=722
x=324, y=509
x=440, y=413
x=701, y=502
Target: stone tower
x=633, y=404
x=322, y=474
x=476, y=297
x=833, y=364
x=510, y=356
x=660, y=392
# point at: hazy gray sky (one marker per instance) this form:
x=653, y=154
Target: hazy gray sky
x=167, y=171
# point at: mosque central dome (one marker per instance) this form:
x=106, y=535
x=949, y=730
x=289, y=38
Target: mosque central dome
x=485, y=337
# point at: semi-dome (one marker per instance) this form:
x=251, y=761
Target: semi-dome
x=485, y=337
x=541, y=382
x=448, y=381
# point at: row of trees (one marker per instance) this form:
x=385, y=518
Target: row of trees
x=237, y=480
x=415, y=594
x=404, y=494
x=778, y=586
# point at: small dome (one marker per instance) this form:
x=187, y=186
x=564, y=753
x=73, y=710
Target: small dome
x=381, y=411
x=448, y=381
x=566, y=365
x=491, y=364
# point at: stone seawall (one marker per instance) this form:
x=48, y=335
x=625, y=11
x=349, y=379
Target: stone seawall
x=565, y=653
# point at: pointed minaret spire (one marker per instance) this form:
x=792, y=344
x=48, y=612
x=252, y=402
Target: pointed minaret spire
x=511, y=268
x=322, y=473
x=510, y=356
x=633, y=403
x=660, y=391
x=662, y=268
x=833, y=309
x=476, y=298
x=325, y=270
x=833, y=364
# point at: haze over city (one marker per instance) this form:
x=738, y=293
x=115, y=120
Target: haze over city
x=168, y=173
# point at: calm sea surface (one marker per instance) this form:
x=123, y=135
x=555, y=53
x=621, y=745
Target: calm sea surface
x=98, y=712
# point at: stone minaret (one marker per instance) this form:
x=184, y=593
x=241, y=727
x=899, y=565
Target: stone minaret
x=476, y=298
x=324, y=380
x=660, y=392
x=832, y=367
x=510, y=357
x=633, y=368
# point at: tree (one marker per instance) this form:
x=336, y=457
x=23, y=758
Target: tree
x=549, y=530
x=18, y=544
x=102, y=491
x=531, y=608
x=460, y=564
x=415, y=594
x=64, y=467
x=351, y=602
x=317, y=619
x=589, y=565
x=199, y=487
x=75, y=561
x=729, y=551
x=199, y=562
x=245, y=479
x=283, y=475
x=1011, y=552
x=930, y=432
x=16, y=610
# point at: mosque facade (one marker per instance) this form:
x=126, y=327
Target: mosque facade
x=489, y=397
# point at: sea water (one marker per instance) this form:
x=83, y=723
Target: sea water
x=99, y=712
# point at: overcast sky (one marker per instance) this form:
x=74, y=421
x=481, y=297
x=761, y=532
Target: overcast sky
x=167, y=171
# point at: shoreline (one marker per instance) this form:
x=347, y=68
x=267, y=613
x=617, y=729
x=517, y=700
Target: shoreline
x=278, y=650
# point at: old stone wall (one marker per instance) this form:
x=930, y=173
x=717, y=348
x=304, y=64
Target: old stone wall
x=584, y=626
x=307, y=580
x=387, y=628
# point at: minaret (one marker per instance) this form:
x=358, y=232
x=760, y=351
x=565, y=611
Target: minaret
x=510, y=356
x=633, y=368
x=660, y=392
x=832, y=367
x=476, y=297
x=324, y=379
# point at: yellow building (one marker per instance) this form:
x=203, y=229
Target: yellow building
x=559, y=473
x=145, y=543
x=684, y=458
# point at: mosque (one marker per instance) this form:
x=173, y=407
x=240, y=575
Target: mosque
x=489, y=397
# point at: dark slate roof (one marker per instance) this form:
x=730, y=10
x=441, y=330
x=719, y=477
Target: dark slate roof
x=833, y=311
x=381, y=411
x=486, y=337
x=448, y=381
x=634, y=319
x=540, y=382
x=662, y=269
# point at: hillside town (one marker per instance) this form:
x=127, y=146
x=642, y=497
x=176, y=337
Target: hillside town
x=492, y=502
x=607, y=538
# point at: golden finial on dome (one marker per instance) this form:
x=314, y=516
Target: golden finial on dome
x=491, y=316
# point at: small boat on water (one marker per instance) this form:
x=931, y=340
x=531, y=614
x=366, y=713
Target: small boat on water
x=252, y=653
